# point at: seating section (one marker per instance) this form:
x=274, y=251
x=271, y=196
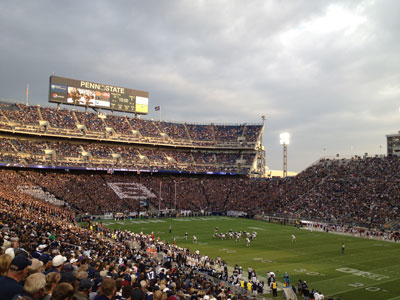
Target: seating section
x=53, y=152
x=360, y=192
x=252, y=133
x=35, y=135
x=91, y=121
x=174, y=130
x=228, y=133
x=76, y=123
x=61, y=118
x=20, y=113
x=201, y=132
x=347, y=193
x=39, y=229
x=119, y=124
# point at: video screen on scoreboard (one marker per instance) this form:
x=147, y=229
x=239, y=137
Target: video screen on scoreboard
x=97, y=95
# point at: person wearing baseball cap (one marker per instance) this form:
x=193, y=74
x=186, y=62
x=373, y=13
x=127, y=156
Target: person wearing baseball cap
x=84, y=289
x=36, y=266
x=10, y=284
x=57, y=262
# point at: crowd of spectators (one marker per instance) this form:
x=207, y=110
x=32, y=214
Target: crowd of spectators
x=28, y=146
x=64, y=149
x=228, y=133
x=6, y=158
x=359, y=192
x=59, y=152
x=3, y=106
x=146, y=128
x=180, y=156
x=99, y=150
x=374, y=233
x=204, y=157
x=362, y=191
x=60, y=118
x=66, y=122
x=174, y=130
x=119, y=124
x=20, y=113
x=6, y=147
x=249, y=158
x=42, y=238
x=45, y=255
x=201, y=132
x=252, y=133
x=91, y=121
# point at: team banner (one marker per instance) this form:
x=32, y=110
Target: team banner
x=97, y=95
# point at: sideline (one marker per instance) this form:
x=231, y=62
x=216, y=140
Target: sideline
x=380, y=239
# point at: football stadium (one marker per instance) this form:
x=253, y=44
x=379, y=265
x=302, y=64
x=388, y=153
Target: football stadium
x=98, y=200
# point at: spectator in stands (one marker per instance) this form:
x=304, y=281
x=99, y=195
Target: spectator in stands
x=5, y=262
x=84, y=289
x=63, y=291
x=107, y=290
x=51, y=281
x=10, y=285
x=34, y=287
x=57, y=264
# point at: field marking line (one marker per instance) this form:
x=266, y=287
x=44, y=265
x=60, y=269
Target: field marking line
x=370, y=271
x=341, y=263
x=157, y=221
x=365, y=286
x=355, y=263
x=301, y=249
x=360, y=264
x=257, y=228
x=397, y=297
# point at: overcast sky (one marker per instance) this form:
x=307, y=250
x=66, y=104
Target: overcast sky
x=327, y=72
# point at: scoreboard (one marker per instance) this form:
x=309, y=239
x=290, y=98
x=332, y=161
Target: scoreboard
x=97, y=95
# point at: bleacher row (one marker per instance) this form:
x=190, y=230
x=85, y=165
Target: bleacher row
x=70, y=123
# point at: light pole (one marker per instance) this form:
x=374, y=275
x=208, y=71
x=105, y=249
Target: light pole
x=175, y=194
x=284, y=141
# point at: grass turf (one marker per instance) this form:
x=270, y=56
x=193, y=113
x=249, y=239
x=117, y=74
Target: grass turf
x=369, y=269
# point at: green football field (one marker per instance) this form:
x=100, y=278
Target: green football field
x=369, y=269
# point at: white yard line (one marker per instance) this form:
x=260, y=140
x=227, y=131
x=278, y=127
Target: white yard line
x=365, y=286
x=361, y=276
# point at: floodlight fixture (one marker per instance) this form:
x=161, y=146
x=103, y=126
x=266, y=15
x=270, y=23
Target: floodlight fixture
x=285, y=138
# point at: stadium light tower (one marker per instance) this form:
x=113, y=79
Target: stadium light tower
x=284, y=141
